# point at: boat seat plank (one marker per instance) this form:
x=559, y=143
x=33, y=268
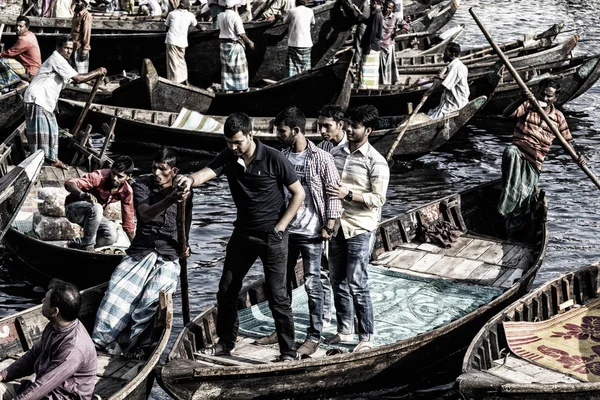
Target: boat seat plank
x=106, y=387
x=517, y=370
x=495, y=253
x=115, y=367
x=475, y=249
x=464, y=269
x=486, y=273
x=400, y=258
x=457, y=246
x=426, y=262
x=432, y=248
x=444, y=266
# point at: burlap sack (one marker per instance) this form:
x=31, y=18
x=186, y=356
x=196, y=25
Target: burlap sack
x=112, y=212
x=53, y=203
x=55, y=228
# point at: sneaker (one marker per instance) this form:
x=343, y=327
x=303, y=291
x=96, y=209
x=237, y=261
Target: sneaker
x=310, y=346
x=363, y=345
x=340, y=338
x=217, y=350
x=266, y=340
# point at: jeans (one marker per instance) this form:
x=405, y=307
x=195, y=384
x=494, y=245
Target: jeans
x=242, y=251
x=97, y=230
x=326, y=283
x=311, y=250
x=348, y=263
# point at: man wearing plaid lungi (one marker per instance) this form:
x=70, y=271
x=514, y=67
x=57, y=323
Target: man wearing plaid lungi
x=22, y=61
x=152, y=261
x=42, y=95
x=234, y=66
x=300, y=18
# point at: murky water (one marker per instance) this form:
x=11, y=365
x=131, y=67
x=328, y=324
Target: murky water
x=472, y=157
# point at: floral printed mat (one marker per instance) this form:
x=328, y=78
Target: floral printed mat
x=568, y=343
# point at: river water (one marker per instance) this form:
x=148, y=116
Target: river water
x=473, y=156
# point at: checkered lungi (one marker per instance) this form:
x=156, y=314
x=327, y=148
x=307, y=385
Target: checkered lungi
x=42, y=131
x=8, y=76
x=369, y=71
x=80, y=66
x=388, y=66
x=234, y=67
x=176, y=66
x=297, y=60
x=132, y=297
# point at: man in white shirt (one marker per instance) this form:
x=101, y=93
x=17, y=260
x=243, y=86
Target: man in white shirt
x=456, y=86
x=365, y=176
x=276, y=8
x=42, y=95
x=150, y=7
x=234, y=66
x=179, y=22
x=300, y=18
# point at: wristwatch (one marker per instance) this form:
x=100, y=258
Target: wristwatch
x=278, y=232
x=349, y=196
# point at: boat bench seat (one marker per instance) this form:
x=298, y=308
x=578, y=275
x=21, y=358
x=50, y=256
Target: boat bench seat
x=514, y=369
x=473, y=258
x=114, y=372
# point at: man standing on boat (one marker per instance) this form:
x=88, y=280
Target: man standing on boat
x=522, y=160
x=455, y=94
x=21, y=62
x=300, y=20
x=331, y=128
x=370, y=46
x=257, y=175
x=179, y=22
x=234, y=66
x=42, y=95
x=64, y=360
x=89, y=196
x=276, y=8
x=81, y=30
x=388, y=66
x=365, y=177
x=313, y=224
x=152, y=261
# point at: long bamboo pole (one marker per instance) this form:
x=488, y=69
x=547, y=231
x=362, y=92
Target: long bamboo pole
x=535, y=103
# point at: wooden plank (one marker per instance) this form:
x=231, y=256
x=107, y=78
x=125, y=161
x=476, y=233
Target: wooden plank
x=517, y=273
x=406, y=259
x=514, y=260
x=409, y=245
x=519, y=370
x=387, y=257
x=432, y=248
x=464, y=269
x=425, y=262
x=457, y=246
x=485, y=272
x=475, y=249
x=509, y=254
x=106, y=387
x=108, y=365
x=444, y=265
x=525, y=261
x=494, y=254
x=506, y=274
x=222, y=360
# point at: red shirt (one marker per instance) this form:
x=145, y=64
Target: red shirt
x=27, y=51
x=97, y=183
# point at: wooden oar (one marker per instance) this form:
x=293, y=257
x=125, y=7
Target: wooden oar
x=88, y=103
x=182, y=239
x=537, y=106
x=390, y=153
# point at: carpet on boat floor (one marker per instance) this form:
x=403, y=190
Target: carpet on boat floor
x=568, y=343
x=403, y=306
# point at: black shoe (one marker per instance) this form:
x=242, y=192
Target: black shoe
x=266, y=340
x=310, y=346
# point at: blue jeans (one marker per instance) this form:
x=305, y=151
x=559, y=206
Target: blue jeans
x=97, y=230
x=242, y=251
x=311, y=250
x=348, y=263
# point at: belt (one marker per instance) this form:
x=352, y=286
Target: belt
x=229, y=41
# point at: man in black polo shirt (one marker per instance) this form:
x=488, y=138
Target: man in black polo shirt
x=256, y=175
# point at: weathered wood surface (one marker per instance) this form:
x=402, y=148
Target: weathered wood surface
x=118, y=378
x=491, y=372
x=11, y=108
x=185, y=376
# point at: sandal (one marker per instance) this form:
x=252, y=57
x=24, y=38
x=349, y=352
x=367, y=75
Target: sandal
x=217, y=350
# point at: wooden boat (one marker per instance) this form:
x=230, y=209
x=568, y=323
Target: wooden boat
x=156, y=93
x=15, y=183
x=520, y=56
x=421, y=43
x=11, y=107
x=118, y=377
x=154, y=128
x=415, y=6
x=396, y=99
x=576, y=76
x=491, y=371
x=509, y=267
x=122, y=44
x=435, y=18
x=74, y=265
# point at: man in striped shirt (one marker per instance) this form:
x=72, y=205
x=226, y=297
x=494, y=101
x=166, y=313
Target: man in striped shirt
x=522, y=160
x=365, y=176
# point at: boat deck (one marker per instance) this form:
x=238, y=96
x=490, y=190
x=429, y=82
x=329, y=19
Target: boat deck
x=514, y=369
x=484, y=267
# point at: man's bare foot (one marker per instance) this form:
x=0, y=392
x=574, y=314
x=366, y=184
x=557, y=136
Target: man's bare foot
x=59, y=164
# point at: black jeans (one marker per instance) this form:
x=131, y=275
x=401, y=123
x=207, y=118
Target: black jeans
x=242, y=251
